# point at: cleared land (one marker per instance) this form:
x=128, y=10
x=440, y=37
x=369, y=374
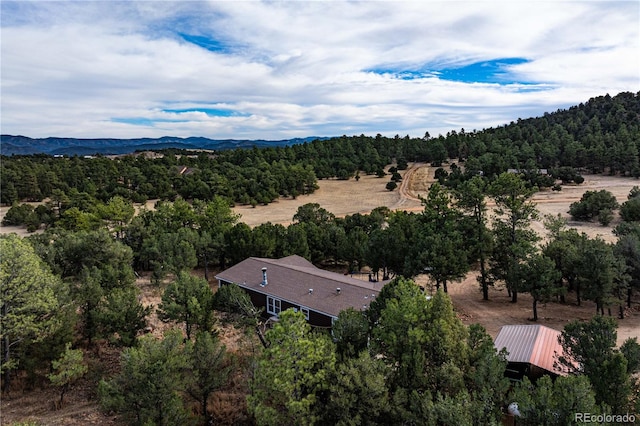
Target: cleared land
x=342, y=198
x=348, y=197
x=345, y=198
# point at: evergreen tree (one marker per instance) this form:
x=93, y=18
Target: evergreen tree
x=549, y=403
x=540, y=279
x=442, y=245
x=592, y=203
x=470, y=197
x=291, y=373
x=67, y=369
x=28, y=304
x=188, y=300
x=351, y=333
x=148, y=388
x=514, y=240
x=598, y=272
x=210, y=368
x=589, y=349
x=357, y=394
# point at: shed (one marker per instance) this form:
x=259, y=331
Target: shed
x=533, y=350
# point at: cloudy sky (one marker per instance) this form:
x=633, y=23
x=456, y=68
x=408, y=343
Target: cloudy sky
x=274, y=70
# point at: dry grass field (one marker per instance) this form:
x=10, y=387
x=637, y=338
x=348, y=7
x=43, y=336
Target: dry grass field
x=348, y=197
x=345, y=198
x=340, y=197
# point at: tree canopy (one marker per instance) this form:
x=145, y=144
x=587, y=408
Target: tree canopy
x=28, y=302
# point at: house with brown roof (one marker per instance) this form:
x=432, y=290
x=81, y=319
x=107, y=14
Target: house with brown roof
x=533, y=351
x=294, y=282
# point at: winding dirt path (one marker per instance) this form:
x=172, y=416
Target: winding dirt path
x=498, y=310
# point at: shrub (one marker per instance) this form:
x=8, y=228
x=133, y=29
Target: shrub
x=630, y=210
x=592, y=203
x=566, y=174
x=402, y=164
x=17, y=214
x=605, y=217
x=441, y=175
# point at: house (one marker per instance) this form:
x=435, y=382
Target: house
x=533, y=351
x=294, y=282
x=185, y=171
x=536, y=171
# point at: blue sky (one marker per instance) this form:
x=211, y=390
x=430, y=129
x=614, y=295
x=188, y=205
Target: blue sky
x=274, y=70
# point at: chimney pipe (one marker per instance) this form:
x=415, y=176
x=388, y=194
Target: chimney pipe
x=264, y=277
x=310, y=291
x=338, y=290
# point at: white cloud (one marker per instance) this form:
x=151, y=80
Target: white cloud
x=292, y=69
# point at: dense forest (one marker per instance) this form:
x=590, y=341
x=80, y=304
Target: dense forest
x=406, y=360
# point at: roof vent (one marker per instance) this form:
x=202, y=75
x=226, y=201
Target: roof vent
x=310, y=291
x=264, y=277
x=338, y=289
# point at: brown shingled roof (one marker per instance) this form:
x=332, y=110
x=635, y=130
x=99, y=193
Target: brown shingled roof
x=291, y=279
x=531, y=344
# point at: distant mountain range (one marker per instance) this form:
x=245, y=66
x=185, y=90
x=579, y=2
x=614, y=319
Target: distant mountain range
x=23, y=145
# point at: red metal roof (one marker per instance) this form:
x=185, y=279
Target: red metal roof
x=533, y=344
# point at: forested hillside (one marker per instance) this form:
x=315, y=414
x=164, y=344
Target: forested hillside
x=70, y=293
x=600, y=136
x=23, y=145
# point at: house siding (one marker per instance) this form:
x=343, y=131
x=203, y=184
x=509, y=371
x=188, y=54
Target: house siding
x=318, y=319
x=259, y=300
x=286, y=305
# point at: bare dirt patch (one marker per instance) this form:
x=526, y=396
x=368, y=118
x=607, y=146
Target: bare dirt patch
x=345, y=198
x=492, y=314
x=340, y=197
x=38, y=402
x=349, y=197
x=558, y=202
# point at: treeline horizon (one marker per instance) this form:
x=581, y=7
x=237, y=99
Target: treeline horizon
x=405, y=360
x=598, y=136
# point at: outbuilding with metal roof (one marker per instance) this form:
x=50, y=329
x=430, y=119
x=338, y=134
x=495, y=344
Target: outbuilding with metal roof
x=533, y=350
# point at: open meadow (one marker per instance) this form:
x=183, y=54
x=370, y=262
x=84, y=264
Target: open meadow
x=345, y=198
x=348, y=197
